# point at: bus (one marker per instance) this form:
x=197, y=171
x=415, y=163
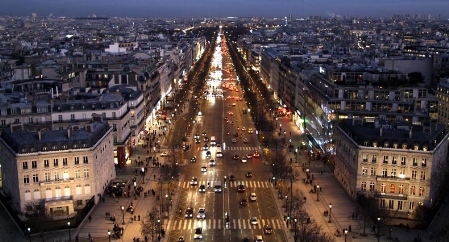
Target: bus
x=219, y=153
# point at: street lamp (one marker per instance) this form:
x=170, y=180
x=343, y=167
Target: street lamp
x=330, y=212
x=70, y=236
x=296, y=229
x=143, y=175
x=168, y=206
x=346, y=233
x=123, y=214
x=29, y=233
x=109, y=235
x=378, y=229
x=317, y=190
x=159, y=225
x=286, y=207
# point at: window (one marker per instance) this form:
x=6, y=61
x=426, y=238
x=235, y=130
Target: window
x=374, y=160
x=415, y=161
x=65, y=175
x=393, y=172
x=400, y=204
x=414, y=174
x=391, y=204
x=26, y=179
x=56, y=175
x=402, y=173
x=25, y=165
x=34, y=164
x=55, y=162
x=424, y=162
x=79, y=202
x=86, y=172
x=60, y=118
x=364, y=171
x=385, y=159
x=394, y=160
x=412, y=190
x=384, y=188
x=411, y=206
x=421, y=191
x=373, y=171
x=47, y=176
x=401, y=189
x=46, y=163
x=384, y=172
x=392, y=188
x=372, y=186
x=77, y=160
x=77, y=174
x=363, y=186
x=403, y=161
x=114, y=127
x=365, y=157
x=64, y=161
x=422, y=176
x=35, y=178
x=72, y=117
x=85, y=160
x=382, y=203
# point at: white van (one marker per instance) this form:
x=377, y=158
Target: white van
x=213, y=142
x=219, y=153
x=217, y=187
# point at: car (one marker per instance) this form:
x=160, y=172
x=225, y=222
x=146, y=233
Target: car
x=236, y=134
x=194, y=181
x=233, y=104
x=193, y=159
x=248, y=174
x=253, y=196
x=243, y=128
x=250, y=131
x=202, y=188
x=236, y=157
x=245, y=140
x=212, y=163
x=267, y=229
x=244, y=160
x=163, y=154
x=238, y=128
x=189, y=212
x=249, y=156
x=205, y=147
x=231, y=178
x=218, y=145
x=231, y=113
x=197, y=141
x=203, y=169
x=196, y=136
x=226, y=118
x=256, y=154
x=243, y=202
x=234, y=140
x=245, y=240
x=181, y=239
x=240, y=188
x=206, y=139
x=258, y=238
x=207, y=154
x=201, y=213
x=198, y=233
x=204, y=133
x=254, y=220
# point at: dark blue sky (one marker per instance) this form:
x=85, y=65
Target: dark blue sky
x=223, y=8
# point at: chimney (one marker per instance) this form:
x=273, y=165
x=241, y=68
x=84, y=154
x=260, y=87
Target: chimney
x=68, y=133
x=39, y=135
x=410, y=134
x=380, y=132
x=89, y=128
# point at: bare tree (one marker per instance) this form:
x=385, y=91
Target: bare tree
x=149, y=224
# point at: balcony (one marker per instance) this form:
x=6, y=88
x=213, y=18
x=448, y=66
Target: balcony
x=57, y=199
x=52, y=182
x=392, y=196
x=391, y=178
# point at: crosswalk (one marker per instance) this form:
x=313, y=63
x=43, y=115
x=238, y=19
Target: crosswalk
x=184, y=224
x=231, y=184
x=248, y=148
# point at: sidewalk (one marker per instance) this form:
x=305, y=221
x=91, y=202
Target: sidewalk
x=331, y=192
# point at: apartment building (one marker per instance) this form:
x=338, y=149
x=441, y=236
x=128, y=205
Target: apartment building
x=400, y=164
x=442, y=94
x=58, y=171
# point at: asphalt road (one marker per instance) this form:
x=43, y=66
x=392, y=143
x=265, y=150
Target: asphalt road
x=214, y=110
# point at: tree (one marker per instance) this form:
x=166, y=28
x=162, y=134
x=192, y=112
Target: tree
x=149, y=224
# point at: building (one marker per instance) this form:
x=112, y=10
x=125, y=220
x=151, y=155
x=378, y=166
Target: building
x=56, y=172
x=442, y=94
x=399, y=164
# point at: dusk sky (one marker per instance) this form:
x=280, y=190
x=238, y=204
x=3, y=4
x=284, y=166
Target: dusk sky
x=223, y=8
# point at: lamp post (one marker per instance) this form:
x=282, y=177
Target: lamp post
x=286, y=200
x=109, y=235
x=296, y=229
x=29, y=233
x=168, y=206
x=346, y=233
x=317, y=190
x=378, y=229
x=70, y=236
x=143, y=175
x=123, y=214
x=159, y=225
x=330, y=212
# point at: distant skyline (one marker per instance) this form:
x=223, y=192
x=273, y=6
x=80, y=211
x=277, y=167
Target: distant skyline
x=223, y=8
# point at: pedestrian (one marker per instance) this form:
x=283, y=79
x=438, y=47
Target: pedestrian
x=90, y=237
x=138, y=217
x=349, y=228
x=407, y=227
x=103, y=199
x=352, y=216
x=76, y=238
x=374, y=229
x=134, y=217
x=90, y=218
